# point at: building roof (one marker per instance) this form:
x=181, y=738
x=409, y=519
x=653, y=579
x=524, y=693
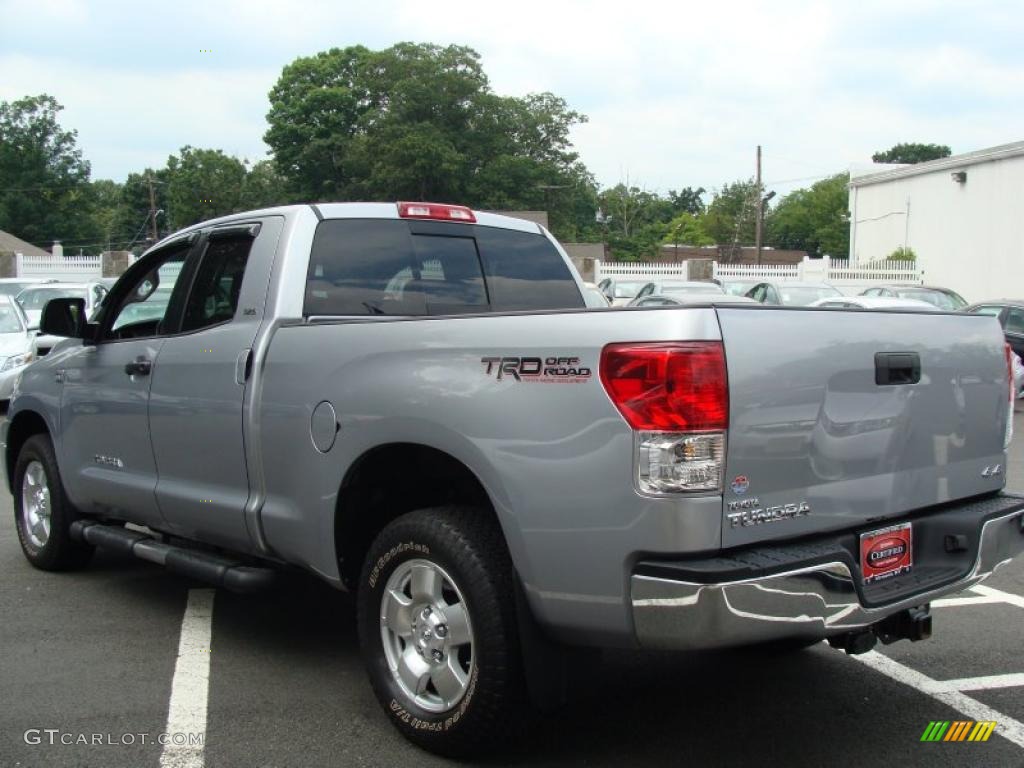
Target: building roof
x=1002, y=152
x=9, y=242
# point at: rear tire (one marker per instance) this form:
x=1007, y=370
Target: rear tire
x=438, y=630
x=42, y=512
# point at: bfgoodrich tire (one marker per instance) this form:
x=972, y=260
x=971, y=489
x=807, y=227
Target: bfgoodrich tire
x=438, y=630
x=42, y=513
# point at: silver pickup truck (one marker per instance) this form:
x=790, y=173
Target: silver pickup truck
x=411, y=402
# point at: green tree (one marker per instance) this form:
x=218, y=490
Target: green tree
x=688, y=229
x=730, y=219
x=687, y=200
x=263, y=187
x=912, y=153
x=44, y=181
x=420, y=122
x=202, y=184
x=814, y=219
x=902, y=254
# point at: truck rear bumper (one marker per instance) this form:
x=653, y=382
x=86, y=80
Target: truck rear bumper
x=814, y=588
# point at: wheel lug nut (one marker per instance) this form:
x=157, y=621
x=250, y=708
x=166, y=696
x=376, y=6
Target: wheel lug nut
x=441, y=630
x=438, y=656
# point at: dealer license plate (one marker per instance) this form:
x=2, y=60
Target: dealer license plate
x=886, y=553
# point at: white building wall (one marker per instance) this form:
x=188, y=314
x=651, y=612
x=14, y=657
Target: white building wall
x=968, y=237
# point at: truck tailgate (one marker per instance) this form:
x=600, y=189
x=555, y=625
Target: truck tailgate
x=819, y=441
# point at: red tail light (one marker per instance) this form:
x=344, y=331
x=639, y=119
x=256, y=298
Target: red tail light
x=438, y=211
x=668, y=386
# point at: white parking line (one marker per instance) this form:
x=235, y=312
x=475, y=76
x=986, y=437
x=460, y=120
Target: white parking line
x=1010, y=729
x=954, y=602
x=986, y=683
x=998, y=594
x=187, y=711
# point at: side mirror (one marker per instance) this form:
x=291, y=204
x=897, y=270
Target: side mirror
x=63, y=317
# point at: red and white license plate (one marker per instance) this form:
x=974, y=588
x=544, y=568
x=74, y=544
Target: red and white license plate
x=886, y=553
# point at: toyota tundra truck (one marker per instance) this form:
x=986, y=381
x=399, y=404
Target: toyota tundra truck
x=412, y=402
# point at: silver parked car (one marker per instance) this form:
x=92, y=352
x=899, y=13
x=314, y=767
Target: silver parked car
x=943, y=298
x=791, y=294
x=873, y=302
x=34, y=298
x=678, y=288
x=16, y=344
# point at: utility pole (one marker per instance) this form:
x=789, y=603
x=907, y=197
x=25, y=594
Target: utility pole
x=152, y=204
x=759, y=218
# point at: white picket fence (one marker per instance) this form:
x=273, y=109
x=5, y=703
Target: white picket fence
x=840, y=271
x=639, y=269
x=757, y=271
x=835, y=271
x=66, y=268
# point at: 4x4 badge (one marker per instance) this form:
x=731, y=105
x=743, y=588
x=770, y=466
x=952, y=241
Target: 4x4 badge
x=994, y=471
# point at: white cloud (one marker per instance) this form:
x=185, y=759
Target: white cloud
x=677, y=93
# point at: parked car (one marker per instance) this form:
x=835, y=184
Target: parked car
x=678, y=287
x=16, y=344
x=943, y=298
x=594, y=297
x=498, y=477
x=1010, y=313
x=689, y=299
x=34, y=298
x=12, y=286
x=621, y=292
x=874, y=302
x=738, y=287
x=791, y=294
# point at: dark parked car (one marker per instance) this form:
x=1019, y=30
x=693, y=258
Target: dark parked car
x=943, y=298
x=791, y=294
x=1010, y=313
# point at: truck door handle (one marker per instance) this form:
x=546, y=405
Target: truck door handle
x=140, y=366
x=897, y=368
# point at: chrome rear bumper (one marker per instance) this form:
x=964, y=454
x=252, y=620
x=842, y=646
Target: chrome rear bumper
x=819, y=600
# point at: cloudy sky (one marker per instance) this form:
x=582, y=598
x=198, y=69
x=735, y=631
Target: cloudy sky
x=678, y=93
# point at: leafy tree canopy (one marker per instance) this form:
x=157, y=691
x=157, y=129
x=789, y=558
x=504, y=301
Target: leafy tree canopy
x=420, y=122
x=912, y=153
x=45, y=193
x=815, y=219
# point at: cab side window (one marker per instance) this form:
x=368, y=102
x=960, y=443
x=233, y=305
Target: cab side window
x=142, y=311
x=218, y=282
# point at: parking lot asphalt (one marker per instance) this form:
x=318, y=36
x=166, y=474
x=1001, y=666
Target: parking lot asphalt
x=94, y=653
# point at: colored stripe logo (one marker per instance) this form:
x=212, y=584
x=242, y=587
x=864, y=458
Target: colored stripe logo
x=958, y=730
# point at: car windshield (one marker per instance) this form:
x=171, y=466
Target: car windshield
x=940, y=299
x=671, y=288
x=9, y=320
x=14, y=288
x=627, y=290
x=801, y=296
x=737, y=289
x=36, y=298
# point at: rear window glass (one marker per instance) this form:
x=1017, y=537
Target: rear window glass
x=525, y=271
x=379, y=267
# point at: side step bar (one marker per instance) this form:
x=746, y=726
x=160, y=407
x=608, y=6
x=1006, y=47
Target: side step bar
x=204, y=566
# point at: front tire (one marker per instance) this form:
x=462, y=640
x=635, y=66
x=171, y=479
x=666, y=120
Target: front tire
x=438, y=629
x=42, y=512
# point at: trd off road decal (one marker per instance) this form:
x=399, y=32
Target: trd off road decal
x=545, y=370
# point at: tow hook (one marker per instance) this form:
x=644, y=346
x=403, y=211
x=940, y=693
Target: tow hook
x=912, y=624
x=854, y=642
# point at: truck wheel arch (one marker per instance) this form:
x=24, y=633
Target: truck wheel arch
x=371, y=496
x=23, y=426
